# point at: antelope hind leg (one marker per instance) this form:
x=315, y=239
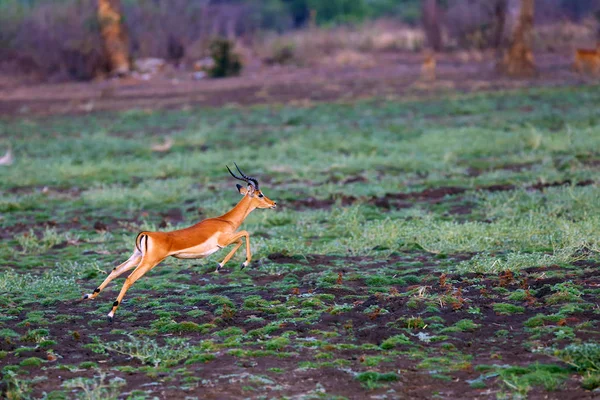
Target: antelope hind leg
x=132, y=262
x=145, y=266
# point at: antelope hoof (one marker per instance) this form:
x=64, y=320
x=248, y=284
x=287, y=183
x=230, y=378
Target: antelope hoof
x=244, y=265
x=86, y=296
x=109, y=318
x=219, y=266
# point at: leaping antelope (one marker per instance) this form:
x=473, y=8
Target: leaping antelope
x=196, y=241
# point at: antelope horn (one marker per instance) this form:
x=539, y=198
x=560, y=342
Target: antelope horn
x=249, y=179
x=236, y=177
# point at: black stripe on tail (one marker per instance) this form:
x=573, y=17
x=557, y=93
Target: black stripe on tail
x=138, y=241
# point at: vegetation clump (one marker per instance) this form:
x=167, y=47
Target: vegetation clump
x=226, y=62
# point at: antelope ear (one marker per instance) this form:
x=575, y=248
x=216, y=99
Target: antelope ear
x=241, y=189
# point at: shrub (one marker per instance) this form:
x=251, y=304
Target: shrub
x=393, y=341
x=508, y=309
x=226, y=61
x=591, y=381
x=371, y=379
x=282, y=53
x=277, y=343
x=61, y=40
x=584, y=357
x=150, y=352
x=32, y=362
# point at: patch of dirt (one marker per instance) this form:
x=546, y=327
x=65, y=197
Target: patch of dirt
x=393, y=75
x=458, y=206
x=406, y=200
x=372, y=319
x=103, y=224
x=172, y=216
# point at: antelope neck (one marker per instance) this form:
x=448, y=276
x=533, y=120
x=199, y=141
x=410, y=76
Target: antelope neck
x=238, y=214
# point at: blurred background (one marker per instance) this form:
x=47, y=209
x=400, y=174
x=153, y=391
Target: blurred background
x=50, y=41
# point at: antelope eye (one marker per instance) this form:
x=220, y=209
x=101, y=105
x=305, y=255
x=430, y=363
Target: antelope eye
x=261, y=195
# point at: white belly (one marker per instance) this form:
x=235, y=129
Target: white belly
x=192, y=254
x=200, y=251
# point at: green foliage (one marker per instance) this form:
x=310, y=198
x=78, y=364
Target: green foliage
x=96, y=388
x=541, y=319
x=390, y=258
x=508, y=309
x=585, y=357
x=88, y=365
x=231, y=331
x=394, y=341
x=277, y=343
x=415, y=323
x=372, y=379
x=31, y=362
x=339, y=11
x=522, y=379
x=464, y=325
x=181, y=327
x=226, y=61
x=352, y=11
x=6, y=334
x=563, y=293
x=375, y=376
x=30, y=243
x=150, y=352
x=591, y=381
x=36, y=335
x=518, y=295
x=48, y=285
x=200, y=359
x=16, y=387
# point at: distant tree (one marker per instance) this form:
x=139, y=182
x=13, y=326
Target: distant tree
x=431, y=24
x=299, y=11
x=578, y=8
x=114, y=36
x=518, y=59
x=339, y=11
x=175, y=49
x=597, y=16
x=499, y=23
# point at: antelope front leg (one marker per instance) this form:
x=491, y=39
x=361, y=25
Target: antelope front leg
x=237, y=238
x=126, y=266
x=248, y=253
x=231, y=253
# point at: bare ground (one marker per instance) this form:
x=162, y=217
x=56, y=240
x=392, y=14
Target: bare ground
x=393, y=76
x=225, y=376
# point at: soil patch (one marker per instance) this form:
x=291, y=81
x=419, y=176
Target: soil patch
x=412, y=312
x=393, y=75
x=437, y=195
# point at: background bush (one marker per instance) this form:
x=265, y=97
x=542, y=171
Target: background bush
x=60, y=38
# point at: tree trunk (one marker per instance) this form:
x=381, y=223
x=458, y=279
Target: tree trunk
x=499, y=23
x=518, y=60
x=597, y=16
x=114, y=36
x=431, y=24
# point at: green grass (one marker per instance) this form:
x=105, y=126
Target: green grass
x=508, y=309
x=367, y=271
x=523, y=379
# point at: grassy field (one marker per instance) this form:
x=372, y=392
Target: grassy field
x=444, y=248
